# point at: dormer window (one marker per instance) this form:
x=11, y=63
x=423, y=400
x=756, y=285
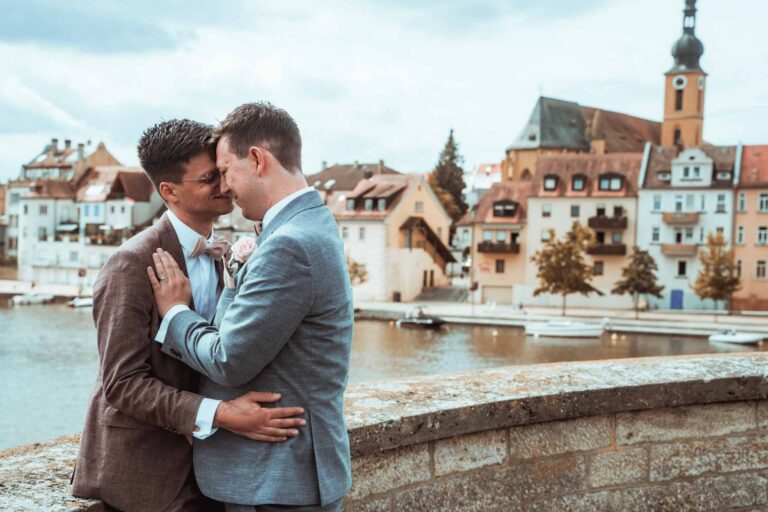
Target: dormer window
x=550, y=182
x=368, y=204
x=578, y=183
x=724, y=175
x=664, y=176
x=504, y=209
x=611, y=182
x=382, y=204
x=351, y=204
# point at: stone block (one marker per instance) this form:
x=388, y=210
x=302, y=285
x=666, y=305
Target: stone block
x=497, y=486
x=556, y=437
x=375, y=505
x=618, y=467
x=684, y=422
x=592, y=502
x=721, y=455
x=380, y=472
x=472, y=451
x=762, y=414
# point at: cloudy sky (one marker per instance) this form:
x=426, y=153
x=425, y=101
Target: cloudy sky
x=365, y=80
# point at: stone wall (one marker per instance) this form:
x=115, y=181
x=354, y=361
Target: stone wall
x=681, y=433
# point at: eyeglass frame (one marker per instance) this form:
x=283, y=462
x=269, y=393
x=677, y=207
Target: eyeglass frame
x=209, y=179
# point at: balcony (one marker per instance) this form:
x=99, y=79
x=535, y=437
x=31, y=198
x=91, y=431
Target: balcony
x=605, y=222
x=686, y=250
x=607, y=249
x=499, y=247
x=680, y=218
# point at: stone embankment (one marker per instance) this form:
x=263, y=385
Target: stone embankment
x=680, y=433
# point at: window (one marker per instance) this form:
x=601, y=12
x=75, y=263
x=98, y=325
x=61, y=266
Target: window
x=26, y=209
x=41, y=234
x=657, y=202
x=720, y=203
x=686, y=172
x=111, y=209
x=12, y=243
x=664, y=176
x=350, y=204
x=501, y=236
x=96, y=210
x=655, y=234
x=597, y=268
x=487, y=235
x=616, y=237
x=682, y=268
x=738, y=268
x=723, y=176
x=15, y=198
x=740, y=235
x=550, y=182
x=86, y=210
x=504, y=209
x=701, y=235
x=678, y=106
x=696, y=172
x=742, y=202
x=690, y=202
x=760, y=271
x=499, y=266
x=361, y=234
x=545, y=235
x=465, y=236
x=575, y=210
x=73, y=256
x=368, y=204
x=382, y=204
x=609, y=183
x=600, y=237
x=578, y=183
x=345, y=233
x=678, y=202
x=703, y=202
x=618, y=211
x=762, y=235
x=546, y=210
x=600, y=211
x=122, y=209
x=762, y=204
x=418, y=207
x=688, y=234
x=43, y=209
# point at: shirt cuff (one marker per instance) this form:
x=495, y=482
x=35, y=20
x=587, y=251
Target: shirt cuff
x=204, y=419
x=163, y=329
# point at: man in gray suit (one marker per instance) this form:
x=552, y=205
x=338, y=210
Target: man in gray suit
x=286, y=324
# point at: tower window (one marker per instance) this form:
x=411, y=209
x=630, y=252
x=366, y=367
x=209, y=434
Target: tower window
x=677, y=137
x=679, y=100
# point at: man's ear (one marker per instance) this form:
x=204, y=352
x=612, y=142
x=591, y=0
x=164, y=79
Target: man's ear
x=168, y=192
x=257, y=157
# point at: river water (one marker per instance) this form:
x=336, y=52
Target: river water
x=48, y=360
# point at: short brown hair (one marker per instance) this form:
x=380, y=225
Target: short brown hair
x=264, y=125
x=165, y=147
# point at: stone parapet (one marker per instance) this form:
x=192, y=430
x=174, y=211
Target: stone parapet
x=679, y=433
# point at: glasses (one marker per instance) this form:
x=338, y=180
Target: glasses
x=208, y=179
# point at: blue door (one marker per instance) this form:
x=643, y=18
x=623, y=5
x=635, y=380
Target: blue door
x=677, y=299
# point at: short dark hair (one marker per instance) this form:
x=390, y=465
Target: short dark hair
x=262, y=124
x=165, y=147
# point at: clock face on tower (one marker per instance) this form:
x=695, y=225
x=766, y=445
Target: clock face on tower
x=679, y=82
x=701, y=83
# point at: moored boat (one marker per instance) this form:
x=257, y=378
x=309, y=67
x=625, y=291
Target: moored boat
x=417, y=318
x=81, y=302
x=733, y=336
x=564, y=329
x=31, y=298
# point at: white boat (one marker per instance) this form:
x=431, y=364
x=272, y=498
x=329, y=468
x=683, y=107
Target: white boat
x=732, y=336
x=32, y=298
x=564, y=329
x=81, y=302
x=416, y=317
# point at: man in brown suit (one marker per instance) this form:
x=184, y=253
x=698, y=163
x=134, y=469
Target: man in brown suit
x=136, y=452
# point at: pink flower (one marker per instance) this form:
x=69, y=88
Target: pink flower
x=243, y=248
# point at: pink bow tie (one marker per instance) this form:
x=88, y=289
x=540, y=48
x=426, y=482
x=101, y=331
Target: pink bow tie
x=216, y=249
x=258, y=226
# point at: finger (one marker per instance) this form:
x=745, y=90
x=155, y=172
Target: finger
x=262, y=397
x=159, y=267
x=171, y=266
x=277, y=432
x=260, y=437
x=286, y=423
x=285, y=412
x=153, y=279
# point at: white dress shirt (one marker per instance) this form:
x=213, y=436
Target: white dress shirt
x=207, y=410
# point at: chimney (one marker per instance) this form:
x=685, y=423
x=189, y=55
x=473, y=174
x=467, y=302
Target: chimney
x=67, y=143
x=381, y=166
x=81, y=150
x=54, y=147
x=325, y=165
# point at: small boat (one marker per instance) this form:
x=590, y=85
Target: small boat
x=417, y=318
x=564, y=329
x=31, y=298
x=81, y=302
x=732, y=336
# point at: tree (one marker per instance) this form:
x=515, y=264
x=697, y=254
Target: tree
x=638, y=277
x=562, y=269
x=358, y=274
x=717, y=279
x=447, y=179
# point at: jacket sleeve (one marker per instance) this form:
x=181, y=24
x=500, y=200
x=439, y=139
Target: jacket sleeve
x=273, y=299
x=123, y=309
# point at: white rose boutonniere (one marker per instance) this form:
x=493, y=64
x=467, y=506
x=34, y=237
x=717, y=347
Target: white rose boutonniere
x=241, y=251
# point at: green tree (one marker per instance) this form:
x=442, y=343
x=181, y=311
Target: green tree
x=638, y=277
x=358, y=274
x=561, y=266
x=717, y=279
x=447, y=179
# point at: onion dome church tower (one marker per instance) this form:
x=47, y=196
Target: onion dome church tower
x=684, y=91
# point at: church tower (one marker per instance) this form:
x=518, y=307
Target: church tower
x=684, y=91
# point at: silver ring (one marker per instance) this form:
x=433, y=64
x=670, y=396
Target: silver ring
x=162, y=278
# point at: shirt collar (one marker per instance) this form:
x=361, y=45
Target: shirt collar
x=272, y=212
x=187, y=236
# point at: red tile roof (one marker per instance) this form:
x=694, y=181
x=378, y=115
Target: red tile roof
x=592, y=166
x=50, y=189
x=482, y=213
x=108, y=182
x=754, y=167
x=382, y=186
x=661, y=157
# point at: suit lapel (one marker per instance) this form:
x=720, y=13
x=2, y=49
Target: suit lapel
x=169, y=242
x=305, y=201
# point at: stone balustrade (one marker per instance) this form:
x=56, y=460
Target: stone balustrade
x=676, y=433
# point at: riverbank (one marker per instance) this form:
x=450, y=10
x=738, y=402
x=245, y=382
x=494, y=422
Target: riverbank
x=693, y=323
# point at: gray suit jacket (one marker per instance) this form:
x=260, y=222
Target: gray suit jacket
x=285, y=327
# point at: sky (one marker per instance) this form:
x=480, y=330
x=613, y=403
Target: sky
x=365, y=80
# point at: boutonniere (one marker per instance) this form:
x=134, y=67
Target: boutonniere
x=241, y=251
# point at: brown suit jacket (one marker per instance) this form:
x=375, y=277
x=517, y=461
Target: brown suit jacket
x=132, y=453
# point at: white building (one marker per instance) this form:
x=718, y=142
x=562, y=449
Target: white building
x=479, y=181
x=67, y=233
x=683, y=197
